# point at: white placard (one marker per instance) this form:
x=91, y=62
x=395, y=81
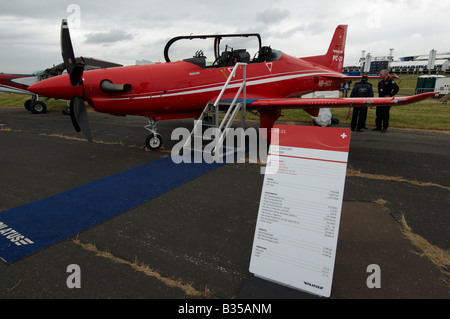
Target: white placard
x=298, y=220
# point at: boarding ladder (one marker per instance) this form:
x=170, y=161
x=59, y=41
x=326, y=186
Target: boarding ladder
x=210, y=118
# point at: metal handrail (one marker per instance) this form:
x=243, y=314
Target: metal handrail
x=242, y=87
x=230, y=108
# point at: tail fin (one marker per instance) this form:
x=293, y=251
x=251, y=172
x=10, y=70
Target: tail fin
x=334, y=58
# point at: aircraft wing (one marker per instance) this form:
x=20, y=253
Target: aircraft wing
x=304, y=103
x=16, y=83
x=90, y=64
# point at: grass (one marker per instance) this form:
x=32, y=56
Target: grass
x=424, y=115
x=436, y=255
x=428, y=115
x=18, y=100
x=187, y=288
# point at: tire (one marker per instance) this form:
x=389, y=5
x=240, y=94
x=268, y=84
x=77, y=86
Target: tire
x=27, y=105
x=153, y=142
x=66, y=111
x=38, y=107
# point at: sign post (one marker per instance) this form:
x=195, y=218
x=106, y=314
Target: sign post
x=298, y=219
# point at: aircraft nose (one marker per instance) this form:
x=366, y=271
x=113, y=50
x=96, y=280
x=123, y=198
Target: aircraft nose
x=57, y=87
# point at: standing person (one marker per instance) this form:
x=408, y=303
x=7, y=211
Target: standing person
x=346, y=87
x=386, y=88
x=361, y=89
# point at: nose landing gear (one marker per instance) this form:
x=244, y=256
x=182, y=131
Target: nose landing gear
x=154, y=140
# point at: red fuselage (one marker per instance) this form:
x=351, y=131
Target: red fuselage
x=182, y=89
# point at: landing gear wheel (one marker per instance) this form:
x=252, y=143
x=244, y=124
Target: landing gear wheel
x=153, y=142
x=66, y=111
x=38, y=107
x=27, y=104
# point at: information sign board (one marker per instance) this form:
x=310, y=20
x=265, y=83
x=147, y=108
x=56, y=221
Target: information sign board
x=299, y=213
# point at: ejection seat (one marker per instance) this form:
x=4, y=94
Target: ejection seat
x=230, y=58
x=198, y=59
x=263, y=55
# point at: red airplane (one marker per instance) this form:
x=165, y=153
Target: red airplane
x=19, y=83
x=174, y=90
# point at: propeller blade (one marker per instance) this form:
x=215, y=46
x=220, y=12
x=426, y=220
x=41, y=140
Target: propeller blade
x=74, y=69
x=79, y=117
x=66, y=47
x=72, y=116
x=78, y=112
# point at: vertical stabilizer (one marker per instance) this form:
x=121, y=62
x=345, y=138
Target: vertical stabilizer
x=334, y=58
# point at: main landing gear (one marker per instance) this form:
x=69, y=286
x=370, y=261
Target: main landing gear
x=154, y=140
x=36, y=106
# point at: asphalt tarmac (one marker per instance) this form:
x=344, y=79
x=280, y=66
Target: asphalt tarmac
x=194, y=241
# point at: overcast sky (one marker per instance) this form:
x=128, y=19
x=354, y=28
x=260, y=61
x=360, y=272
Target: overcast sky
x=129, y=30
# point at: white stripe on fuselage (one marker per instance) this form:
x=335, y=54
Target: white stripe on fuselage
x=219, y=86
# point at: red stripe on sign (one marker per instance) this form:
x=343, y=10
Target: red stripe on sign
x=310, y=158
x=312, y=137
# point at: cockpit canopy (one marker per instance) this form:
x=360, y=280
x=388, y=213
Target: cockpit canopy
x=227, y=56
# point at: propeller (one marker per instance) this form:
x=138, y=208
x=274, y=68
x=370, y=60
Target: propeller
x=79, y=117
x=78, y=112
x=74, y=69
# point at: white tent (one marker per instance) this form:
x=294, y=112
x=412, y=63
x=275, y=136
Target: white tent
x=443, y=65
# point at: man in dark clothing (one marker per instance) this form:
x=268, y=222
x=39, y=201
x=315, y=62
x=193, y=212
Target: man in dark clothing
x=386, y=88
x=361, y=89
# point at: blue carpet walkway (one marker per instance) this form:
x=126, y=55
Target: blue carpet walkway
x=27, y=229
